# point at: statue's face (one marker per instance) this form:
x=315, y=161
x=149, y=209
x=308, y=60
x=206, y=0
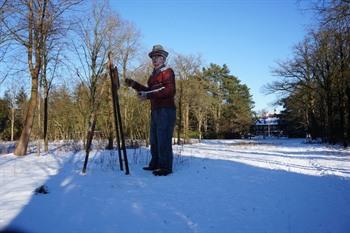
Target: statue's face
x=157, y=61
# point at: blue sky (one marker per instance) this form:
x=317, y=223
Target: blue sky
x=249, y=36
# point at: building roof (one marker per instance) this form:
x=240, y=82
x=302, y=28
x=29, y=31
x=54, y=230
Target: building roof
x=267, y=121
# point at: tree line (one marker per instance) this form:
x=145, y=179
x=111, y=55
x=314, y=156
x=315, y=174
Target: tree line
x=315, y=82
x=65, y=62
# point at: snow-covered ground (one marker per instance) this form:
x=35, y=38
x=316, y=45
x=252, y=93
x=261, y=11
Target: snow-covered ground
x=218, y=186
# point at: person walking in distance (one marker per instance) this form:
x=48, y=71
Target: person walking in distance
x=161, y=92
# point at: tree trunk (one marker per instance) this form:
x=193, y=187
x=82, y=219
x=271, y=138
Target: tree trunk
x=39, y=111
x=330, y=122
x=46, y=113
x=90, y=135
x=186, y=122
x=200, y=128
x=205, y=125
x=35, y=37
x=307, y=120
x=91, y=131
x=348, y=111
x=12, y=122
x=342, y=92
x=21, y=148
x=39, y=124
x=110, y=141
x=322, y=117
x=217, y=121
x=179, y=123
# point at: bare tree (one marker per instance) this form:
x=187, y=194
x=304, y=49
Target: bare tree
x=4, y=37
x=36, y=14
x=199, y=102
x=316, y=80
x=335, y=17
x=92, y=55
x=11, y=96
x=126, y=44
x=3, y=32
x=53, y=44
x=297, y=76
x=29, y=23
x=185, y=67
x=47, y=79
x=333, y=13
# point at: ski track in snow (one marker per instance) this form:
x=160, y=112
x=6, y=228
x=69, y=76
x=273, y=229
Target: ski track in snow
x=308, y=159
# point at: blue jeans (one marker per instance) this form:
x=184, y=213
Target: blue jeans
x=162, y=127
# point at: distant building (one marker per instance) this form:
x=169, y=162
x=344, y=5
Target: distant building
x=269, y=125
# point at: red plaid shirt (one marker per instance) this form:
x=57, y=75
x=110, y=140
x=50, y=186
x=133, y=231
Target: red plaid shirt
x=163, y=80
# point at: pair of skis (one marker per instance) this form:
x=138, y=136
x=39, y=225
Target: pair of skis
x=113, y=73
